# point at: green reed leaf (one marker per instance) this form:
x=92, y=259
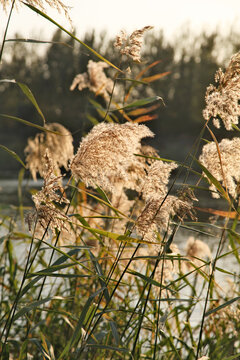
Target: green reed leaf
x=115, y=236
x=227, y=303
x=213, y=180
x=25, y=89
x=101, y=278
x=78, y=329
x=34, y=41
x=33, y=305
x=28, y=123
x=13, y=154
x=108, y=347
x=133, y=81
x=138, y=103
x=72, y=36
x=50, y=270
x=236, y=356
x=234, y=126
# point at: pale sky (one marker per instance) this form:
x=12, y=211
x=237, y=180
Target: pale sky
x=169, y=15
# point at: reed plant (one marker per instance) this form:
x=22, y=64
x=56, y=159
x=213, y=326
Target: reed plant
x=109, y=262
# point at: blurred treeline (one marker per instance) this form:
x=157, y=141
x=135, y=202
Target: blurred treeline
x=48, y=70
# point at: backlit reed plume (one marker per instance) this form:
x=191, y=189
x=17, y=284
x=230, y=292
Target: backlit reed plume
x=159, y=211
x=160, y=208
x=60, y=149
x=42, y=5
x=230, y=158
x=131, y=46
x=107, y=152
x=196, y=248
x=157, y=179
x=94, y=79
x=48, y=215
x=222, y=100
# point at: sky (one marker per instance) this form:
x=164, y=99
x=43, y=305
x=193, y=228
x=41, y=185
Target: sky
x=169, y=15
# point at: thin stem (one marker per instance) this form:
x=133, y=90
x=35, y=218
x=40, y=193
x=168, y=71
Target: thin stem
x=28, y=266
x=6, y=30
x=111, y=296
x=208, y=290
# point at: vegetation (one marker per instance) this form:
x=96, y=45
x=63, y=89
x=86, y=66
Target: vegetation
x=96, y=267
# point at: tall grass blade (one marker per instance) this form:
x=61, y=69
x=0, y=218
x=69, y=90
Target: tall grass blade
x=138, y=103
x=78, y=329
x=28, y=123
x=13, y=154
x=222, y=306
x=72, y=36
x=25, y=89
x=32, y=306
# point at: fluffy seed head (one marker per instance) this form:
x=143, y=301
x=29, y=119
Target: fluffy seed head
x=107, y=152
x=47, y=213
x=42, y=4
x=229, y=172
x=222, y=101
x=158, y=212
x=60, y=149
x=131, y=46
x=94, y=79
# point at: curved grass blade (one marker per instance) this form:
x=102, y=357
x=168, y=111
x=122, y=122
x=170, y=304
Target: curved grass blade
x=115, y=332
x=155, y=77
x=235, y=127
x=33, y=305
x=145, y=118
x=25, y=89
x=226, y=214
x=141, y=102
x=78, y=330
x=117, y=212
x=107, y=347
x=39, y=42
x=28, y=123
x=213, y=180
x=50, y=270
x=43, y=351
x=59, y=261
x=212, y=311
x=86, y=224
x=72, y=36
x=236, y=356
x=101, y=278
x=115, y=236
x=13, y=154
x=145, y=110
x=102, y=194
x=133, y=81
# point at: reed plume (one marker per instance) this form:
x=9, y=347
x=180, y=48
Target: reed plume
x=94, y=79
x=42, y=5
x=60, y=148
x=47, y=214
x=106, y=154
x=131, y=46
x=222, y=100
x=226, y=171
